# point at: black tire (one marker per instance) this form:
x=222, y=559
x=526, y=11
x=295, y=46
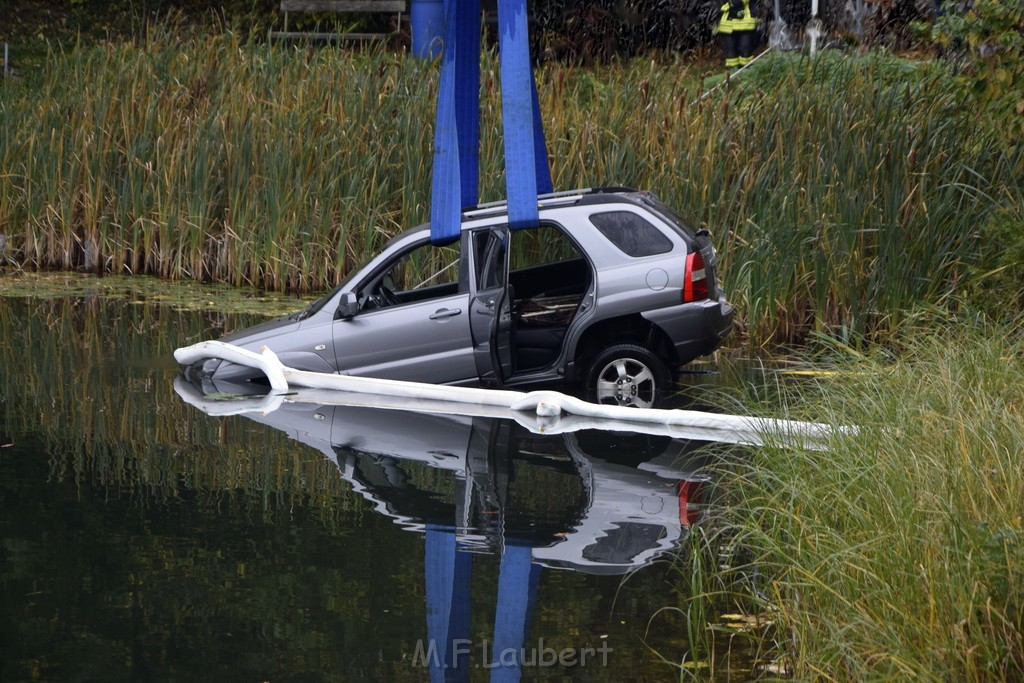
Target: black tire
x=627, y=375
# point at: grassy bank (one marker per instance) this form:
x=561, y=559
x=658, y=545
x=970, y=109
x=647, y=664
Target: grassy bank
x=897, y=553
x=840, y=192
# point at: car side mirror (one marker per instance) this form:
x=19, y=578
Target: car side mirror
x=349, y=305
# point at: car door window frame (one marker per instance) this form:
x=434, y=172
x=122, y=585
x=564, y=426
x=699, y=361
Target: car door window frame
x=375, y=278
x=474, y=266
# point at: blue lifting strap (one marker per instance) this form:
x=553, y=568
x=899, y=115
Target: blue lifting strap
x=467, y=98
x=540, y=149
x=446, y=186
x=517, y=114
x=455, y=179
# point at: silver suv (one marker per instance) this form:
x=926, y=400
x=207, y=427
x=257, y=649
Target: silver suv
x=612, y=292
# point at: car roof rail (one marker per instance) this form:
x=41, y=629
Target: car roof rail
x=548, y=199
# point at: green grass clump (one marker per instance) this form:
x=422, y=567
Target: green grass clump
x=898, y=551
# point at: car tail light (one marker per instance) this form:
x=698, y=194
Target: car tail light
x=695, y=282
x=688, y=490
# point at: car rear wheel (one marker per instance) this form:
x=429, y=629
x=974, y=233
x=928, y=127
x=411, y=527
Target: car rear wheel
x=627, y=375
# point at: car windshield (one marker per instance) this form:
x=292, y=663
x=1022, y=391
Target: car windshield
x=318, y=304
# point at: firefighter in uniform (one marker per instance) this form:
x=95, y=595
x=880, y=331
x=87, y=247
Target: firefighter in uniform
x=724, y=31
x=737, y=28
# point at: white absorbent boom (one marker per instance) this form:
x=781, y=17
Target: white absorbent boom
x=730, y=428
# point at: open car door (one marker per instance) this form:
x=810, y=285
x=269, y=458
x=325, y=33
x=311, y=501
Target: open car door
x=490, y=307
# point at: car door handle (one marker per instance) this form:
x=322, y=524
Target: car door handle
x=445, y=313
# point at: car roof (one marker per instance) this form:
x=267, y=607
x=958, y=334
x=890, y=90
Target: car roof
x=581, y=197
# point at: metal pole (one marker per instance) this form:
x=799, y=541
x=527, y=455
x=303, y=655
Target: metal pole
x=734, y=74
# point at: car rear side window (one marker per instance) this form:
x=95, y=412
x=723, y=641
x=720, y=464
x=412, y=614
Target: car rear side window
x=631, y=233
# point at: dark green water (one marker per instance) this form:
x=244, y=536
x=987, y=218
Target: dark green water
x=141, y=539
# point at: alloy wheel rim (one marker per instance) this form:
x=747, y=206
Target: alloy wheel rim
x=626, y=382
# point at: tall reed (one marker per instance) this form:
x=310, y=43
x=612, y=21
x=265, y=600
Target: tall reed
x=898, y=552
x=840, y=192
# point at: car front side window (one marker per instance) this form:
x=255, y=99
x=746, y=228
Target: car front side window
x=421, y=273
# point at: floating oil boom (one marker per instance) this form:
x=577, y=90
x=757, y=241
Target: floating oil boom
x=554, y=411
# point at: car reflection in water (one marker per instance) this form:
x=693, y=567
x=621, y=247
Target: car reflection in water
x=589, y=501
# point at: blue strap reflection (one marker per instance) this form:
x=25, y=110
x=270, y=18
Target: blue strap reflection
x=517, y=593
x=448, y=575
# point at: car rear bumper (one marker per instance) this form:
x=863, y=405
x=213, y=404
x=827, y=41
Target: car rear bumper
x=696, y=329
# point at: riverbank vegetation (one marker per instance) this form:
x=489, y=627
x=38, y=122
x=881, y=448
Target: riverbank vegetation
x=896, y=551
x=842, y=192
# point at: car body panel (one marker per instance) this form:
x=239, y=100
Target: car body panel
x=434, y=346
x=696, y=328
x=302, y=344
